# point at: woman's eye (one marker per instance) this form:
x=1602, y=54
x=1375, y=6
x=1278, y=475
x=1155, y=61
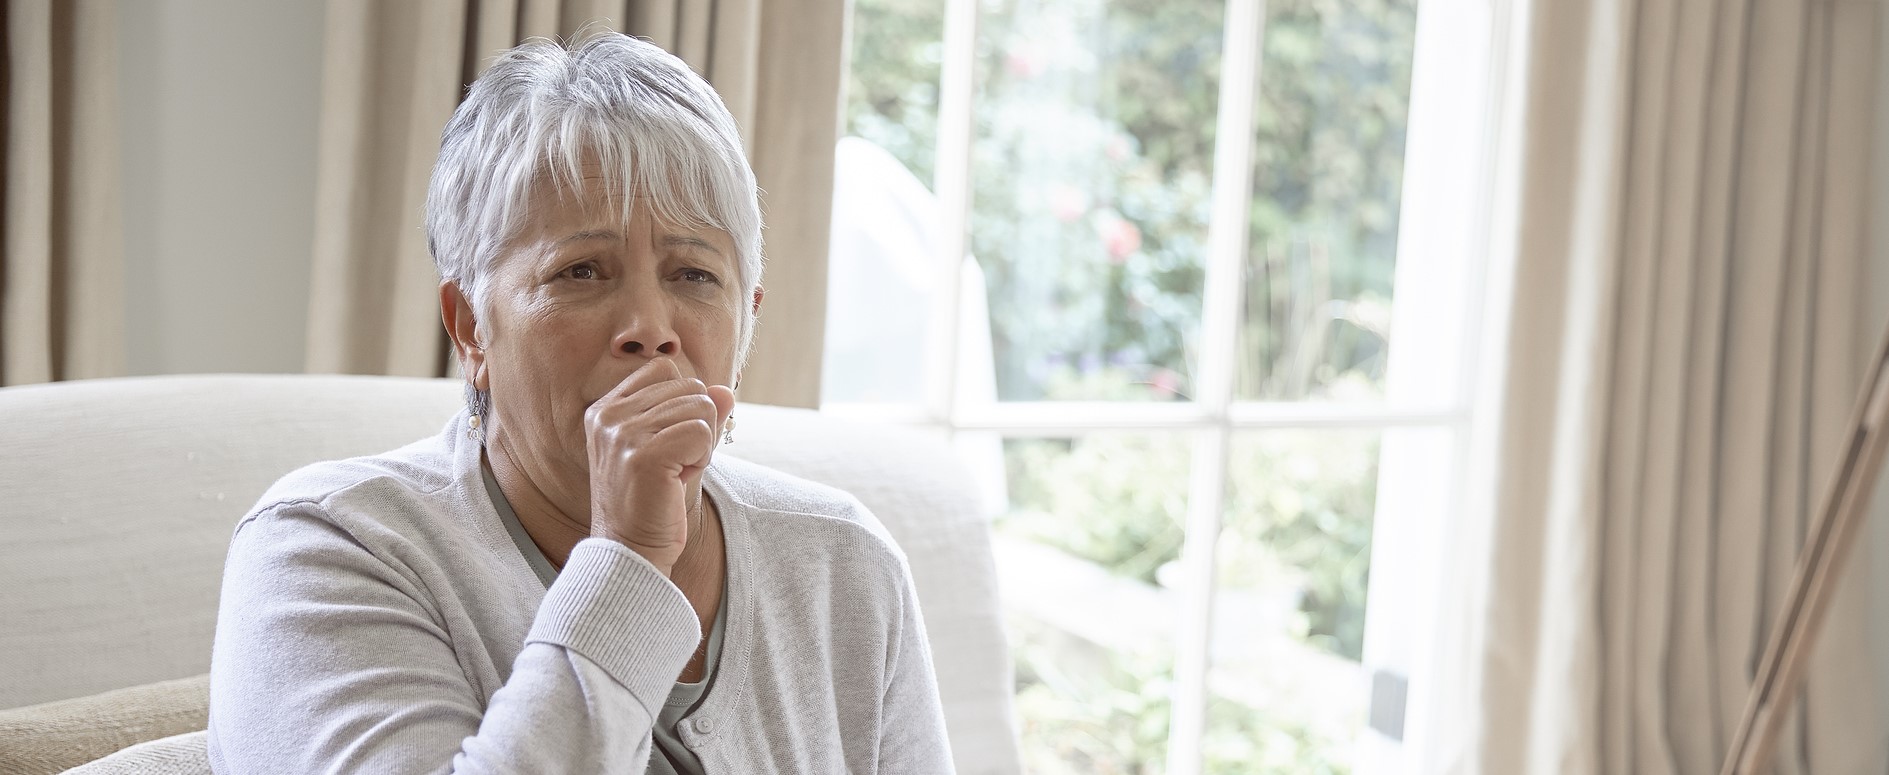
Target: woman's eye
x=698, y=276
x=583, y=271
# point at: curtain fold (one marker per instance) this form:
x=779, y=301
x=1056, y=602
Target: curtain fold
x=1679, y=337
x=394, y=72
x=62, y=278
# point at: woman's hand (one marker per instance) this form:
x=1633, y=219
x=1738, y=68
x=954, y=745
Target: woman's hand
x=648, y=438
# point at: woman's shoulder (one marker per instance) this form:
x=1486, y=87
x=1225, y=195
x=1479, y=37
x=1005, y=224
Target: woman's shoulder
x=772, y=497
x=760, y=487
x=382, y=489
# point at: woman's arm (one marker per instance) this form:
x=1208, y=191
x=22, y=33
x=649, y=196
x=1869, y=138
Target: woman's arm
x=913, y=738
x=330, y=659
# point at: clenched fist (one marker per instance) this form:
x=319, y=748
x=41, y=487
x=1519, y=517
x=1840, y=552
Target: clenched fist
x=649, y=439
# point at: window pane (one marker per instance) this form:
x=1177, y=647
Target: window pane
x=886, y=222
x=1085, y=555
x=1092, y=167
x=1286, y=692
x=1327, y=175
x=892, y=80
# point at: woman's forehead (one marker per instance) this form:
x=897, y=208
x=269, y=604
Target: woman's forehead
x=568, y=220
x=595, y=200
x=658, y=236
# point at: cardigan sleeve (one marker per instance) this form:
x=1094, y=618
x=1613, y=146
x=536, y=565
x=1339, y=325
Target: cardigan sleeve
x=330, y=658
x=912, y=738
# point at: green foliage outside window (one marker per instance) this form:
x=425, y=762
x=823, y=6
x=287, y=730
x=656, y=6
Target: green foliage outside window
x=1298, y=515
x=1111, y=718
x=1328, y=171
x=892, y=80
x=1298, y=519
x=1092, y=177
x=1092, y=180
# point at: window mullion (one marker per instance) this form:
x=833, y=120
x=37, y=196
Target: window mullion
x=1206, y=495
x=1220, y=303
x=1227, y=231
x=952, y=184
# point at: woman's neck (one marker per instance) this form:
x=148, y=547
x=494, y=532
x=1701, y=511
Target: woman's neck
x=697, y=572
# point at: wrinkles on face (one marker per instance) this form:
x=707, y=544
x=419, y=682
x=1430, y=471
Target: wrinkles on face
x=579, y=300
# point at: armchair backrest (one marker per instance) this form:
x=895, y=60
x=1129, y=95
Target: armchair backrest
x=117, y=498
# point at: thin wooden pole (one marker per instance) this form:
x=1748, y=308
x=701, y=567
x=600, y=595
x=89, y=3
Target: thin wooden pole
x=1819, y=570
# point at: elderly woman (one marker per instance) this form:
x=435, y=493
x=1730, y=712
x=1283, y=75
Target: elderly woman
x=567, y=578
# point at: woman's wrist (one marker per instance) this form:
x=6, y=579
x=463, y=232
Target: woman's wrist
x=663, y=560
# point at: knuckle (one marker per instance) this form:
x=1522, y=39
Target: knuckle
x=596, y=415
x=604, y=431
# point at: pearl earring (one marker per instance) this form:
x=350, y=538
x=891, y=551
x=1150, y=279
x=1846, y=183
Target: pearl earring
x=728, y=430
x=476, y=405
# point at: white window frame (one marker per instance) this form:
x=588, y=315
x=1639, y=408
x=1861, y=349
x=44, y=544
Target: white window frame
x=1442, y=223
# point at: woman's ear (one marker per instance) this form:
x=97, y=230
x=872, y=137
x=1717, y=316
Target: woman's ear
x=462, y=326
x=758, y=293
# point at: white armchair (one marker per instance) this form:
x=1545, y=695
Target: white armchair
x=117, y=498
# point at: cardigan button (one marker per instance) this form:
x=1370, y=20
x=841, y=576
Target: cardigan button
x=704, y=726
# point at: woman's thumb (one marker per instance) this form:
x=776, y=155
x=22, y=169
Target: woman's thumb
x=724, y=399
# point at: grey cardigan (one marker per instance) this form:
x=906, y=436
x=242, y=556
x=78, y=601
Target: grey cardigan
x=376, y=617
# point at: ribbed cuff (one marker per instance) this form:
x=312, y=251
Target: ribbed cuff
x=616, y=609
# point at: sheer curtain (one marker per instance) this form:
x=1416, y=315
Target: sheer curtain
x=393, y=73
x=1680, y=337
x=62, y=278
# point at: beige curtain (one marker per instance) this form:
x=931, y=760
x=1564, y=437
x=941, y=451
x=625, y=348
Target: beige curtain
x=62, y=278
x=393, y=72
x=1681, y=337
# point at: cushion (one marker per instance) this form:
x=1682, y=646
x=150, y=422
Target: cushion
x=52, y=737
x=119, y=496
x=185, y=754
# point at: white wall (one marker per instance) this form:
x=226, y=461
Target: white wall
x=219, y=113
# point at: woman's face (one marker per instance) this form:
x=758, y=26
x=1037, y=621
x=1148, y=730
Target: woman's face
x=578, y=300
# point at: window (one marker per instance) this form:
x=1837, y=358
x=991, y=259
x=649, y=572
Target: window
x=1216, y=391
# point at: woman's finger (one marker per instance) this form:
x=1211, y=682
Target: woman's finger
x=724, y=398
x=651, y=396
x=674, y=405
x=694, y=406
x=681, y=446
x=653, y=371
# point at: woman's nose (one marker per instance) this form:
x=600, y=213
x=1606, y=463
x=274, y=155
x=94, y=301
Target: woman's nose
x=645, y=329
x=636, y=347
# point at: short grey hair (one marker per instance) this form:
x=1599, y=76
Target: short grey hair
x=544, y=109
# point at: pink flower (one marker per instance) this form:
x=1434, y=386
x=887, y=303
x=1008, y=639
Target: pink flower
x=1121, y=237
x=1023, y=64
x=1067, y=202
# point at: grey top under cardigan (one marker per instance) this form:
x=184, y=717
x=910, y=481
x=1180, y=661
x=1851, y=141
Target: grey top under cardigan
x=377, y=617
x=670, y=754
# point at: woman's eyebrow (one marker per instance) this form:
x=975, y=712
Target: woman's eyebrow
x=590, y=234
x=685, y=241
